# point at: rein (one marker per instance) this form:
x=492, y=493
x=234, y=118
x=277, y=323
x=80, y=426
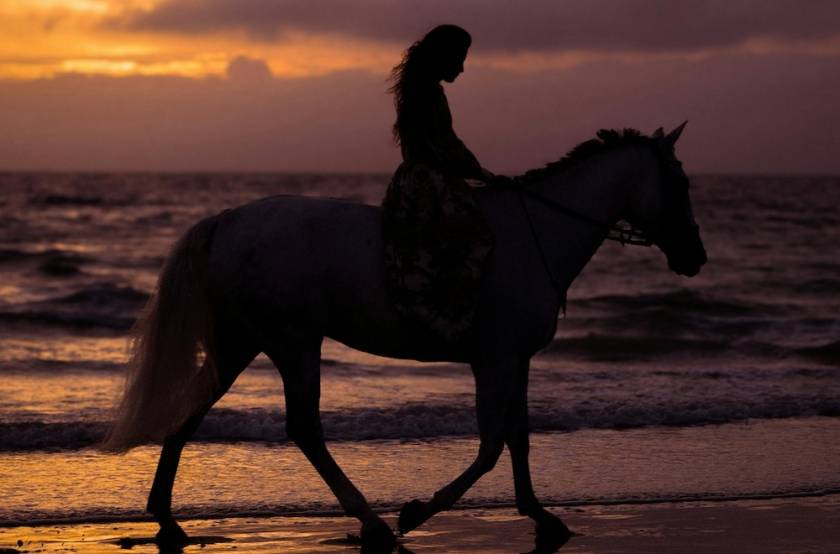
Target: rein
x=625, y=235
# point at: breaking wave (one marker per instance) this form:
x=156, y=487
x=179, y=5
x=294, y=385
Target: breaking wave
x=429, y=421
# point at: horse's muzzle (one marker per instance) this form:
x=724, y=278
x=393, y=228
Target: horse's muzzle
x=688, y=270
x=686, y=255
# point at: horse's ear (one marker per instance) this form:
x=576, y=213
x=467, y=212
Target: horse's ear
x=672, y=137
x=658, y=134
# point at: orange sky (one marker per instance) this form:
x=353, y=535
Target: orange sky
x=43, y=38
x=140, y=84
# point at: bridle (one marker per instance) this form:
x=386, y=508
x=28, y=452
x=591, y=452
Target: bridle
x=623, y=232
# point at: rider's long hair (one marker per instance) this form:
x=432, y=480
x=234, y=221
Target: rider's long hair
x=419, y=69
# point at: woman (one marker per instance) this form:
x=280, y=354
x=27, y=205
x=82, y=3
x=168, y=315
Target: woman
x=436, y=239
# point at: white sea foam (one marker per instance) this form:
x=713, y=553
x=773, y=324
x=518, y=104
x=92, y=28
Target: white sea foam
x=431, y=421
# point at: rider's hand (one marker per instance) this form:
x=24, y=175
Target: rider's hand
x=487, y=176
x=502, y=181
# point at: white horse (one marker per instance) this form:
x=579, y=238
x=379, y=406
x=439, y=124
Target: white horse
x=280, y=274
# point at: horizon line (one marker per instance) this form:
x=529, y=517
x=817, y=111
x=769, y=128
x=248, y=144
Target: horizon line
x=705, y=173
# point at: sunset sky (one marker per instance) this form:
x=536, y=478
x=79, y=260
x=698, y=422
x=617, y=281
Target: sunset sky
x=297, y=85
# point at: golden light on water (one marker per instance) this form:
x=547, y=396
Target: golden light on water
x=112, y=350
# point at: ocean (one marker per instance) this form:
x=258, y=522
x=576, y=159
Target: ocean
x=655, y=388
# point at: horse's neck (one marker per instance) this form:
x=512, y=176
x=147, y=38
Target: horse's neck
x=598, y=188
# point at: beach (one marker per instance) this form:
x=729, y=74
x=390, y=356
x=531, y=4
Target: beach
x=782, y=525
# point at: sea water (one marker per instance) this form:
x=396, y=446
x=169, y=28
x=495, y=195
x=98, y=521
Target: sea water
x=655, y=387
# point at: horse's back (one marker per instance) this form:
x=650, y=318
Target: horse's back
x=304, y=240
x=314, y=267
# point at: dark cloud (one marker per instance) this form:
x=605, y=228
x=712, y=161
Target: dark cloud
x=646, y=25
x=244, y=68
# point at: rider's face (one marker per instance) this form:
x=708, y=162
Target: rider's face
x=453, y=65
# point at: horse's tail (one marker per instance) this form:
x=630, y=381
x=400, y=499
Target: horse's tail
x=171, y=372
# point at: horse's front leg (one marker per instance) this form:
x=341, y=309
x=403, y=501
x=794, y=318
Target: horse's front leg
x=550, y=528
x=493, y=384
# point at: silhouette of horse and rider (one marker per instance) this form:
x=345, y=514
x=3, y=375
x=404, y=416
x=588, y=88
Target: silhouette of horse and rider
x=443, y=271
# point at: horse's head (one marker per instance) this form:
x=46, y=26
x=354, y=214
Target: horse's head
x=663, y=209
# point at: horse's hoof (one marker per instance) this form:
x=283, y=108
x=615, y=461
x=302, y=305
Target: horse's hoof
x=377, y=538
x=552, y=534
x=412, y=515
x=171, y=534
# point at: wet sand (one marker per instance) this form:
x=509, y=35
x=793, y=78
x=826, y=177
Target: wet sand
x=775, y=525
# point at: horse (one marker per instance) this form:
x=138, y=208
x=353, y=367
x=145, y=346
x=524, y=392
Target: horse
x=280, y=274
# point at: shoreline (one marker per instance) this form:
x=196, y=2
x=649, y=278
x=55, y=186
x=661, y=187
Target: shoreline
x=393, y=509
x=809, y=524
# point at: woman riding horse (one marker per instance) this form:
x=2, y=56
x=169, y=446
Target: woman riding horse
x=436, y=239
x=246, y=281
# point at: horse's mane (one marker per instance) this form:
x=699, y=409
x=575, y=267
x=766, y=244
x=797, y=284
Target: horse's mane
x=605, y=140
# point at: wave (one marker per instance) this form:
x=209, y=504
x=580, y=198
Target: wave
x=60, y=266
x=52, y=366
x=676, y=315
x=428, y=420
x=693, y=301
x=107, y=198
x=53, y=263
x=41, y=435
x=15, y=255
x=104, y=305
x=67, y=200
x=829, y=352
x=615, y=348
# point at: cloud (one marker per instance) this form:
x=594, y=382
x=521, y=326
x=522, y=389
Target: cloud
x=650, y=25
x=243, y=68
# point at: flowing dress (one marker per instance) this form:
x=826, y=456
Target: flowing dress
x=436, y=239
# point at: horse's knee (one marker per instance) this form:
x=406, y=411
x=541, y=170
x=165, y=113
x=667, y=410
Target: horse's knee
x=303, y=432
x=489, y=454
x=518, y=441
x=294, y=432
x=180, y=437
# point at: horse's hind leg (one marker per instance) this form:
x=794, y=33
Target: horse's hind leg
x=233, y=358
x=300, y=368
x=549, y=527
